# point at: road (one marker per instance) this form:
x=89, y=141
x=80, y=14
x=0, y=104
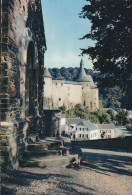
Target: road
x=102, y=172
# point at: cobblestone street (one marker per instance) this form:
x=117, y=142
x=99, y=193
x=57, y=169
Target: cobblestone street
x=102, y=172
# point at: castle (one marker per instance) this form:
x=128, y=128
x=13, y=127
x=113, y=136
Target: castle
x=59, y=93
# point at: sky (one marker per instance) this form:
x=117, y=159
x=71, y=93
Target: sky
x=63, y=28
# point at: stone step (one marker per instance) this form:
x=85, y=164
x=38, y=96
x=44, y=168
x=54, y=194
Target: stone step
x=41, y=145
x=33, y=138
x=51, y=161
x=41, y=153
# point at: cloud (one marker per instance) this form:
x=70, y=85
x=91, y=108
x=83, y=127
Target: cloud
x=68, y=60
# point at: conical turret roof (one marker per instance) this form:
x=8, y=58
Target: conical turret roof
x=47, y=73
x=82, y=76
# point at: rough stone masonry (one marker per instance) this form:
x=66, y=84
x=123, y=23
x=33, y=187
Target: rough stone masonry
x=22, y=48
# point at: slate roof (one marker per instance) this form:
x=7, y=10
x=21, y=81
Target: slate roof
x=73, y=121
x=105, y=126
x=72, y=82
x=90, y=80
x=87, y=124
x=83, y=77
x=47, y=73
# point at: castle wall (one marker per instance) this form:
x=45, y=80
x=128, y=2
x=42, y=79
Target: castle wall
x=21, y=73
x=90, y=97
x=73, y=95
x=66, y=94
x=48, y=87
x=59, y=93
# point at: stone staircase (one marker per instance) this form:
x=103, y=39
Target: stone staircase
x=49, y=152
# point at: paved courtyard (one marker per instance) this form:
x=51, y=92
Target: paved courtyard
x=103, y=172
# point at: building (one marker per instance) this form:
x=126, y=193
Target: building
x=70, y=93
x=106, y=131
x=83, y=130
x=63, y=125
x=79, y=128
x=71, y=124
x=21, y=76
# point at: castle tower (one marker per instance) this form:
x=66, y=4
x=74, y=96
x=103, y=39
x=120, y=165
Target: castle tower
x=90, y=94
x=47, y=89
x=82, y=77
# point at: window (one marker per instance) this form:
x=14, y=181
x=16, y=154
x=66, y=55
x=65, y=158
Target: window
x=80, y=129
x=87, y=129
x=76, y=128
x=91, y=105
x=59, y=99
x=83, y=129
x=56, y=83
x=87, y=136
x=79, y=135
x=83, y=136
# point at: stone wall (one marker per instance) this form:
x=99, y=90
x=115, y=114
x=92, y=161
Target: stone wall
x=90, y=96
x=59, y=93
x=52, y=123
x=117, y=143
x=21, y=73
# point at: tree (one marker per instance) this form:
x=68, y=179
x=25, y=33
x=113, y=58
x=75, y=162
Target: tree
x=111, y=31
x=122, y=118
x=111, y=113
x=62, y=109
x=111, y=97
x=103, y=116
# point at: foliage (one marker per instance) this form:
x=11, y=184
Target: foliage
x=103, y=116
x=111, y=31
x=99, y=116
x=111, y=97
x=127, y=101
x=111, y=113
x=68, y=74
x=122, y=118
x=71, y=113
x=62, y=109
